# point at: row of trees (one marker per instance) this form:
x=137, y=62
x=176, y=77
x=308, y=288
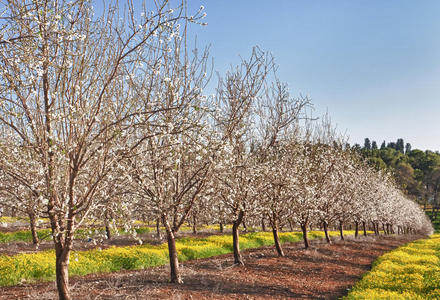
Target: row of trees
x=399, y=145
x=102, y=118
x=416, y=172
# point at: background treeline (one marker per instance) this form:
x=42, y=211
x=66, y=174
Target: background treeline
x=416, y=171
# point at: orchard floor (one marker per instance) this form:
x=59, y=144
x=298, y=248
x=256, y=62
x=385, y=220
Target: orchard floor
x=322, y=272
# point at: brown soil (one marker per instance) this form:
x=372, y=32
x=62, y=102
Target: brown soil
x=322, y=272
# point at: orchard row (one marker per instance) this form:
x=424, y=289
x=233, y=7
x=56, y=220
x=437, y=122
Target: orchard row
x=106, y=117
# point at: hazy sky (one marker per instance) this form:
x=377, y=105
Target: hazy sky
x=375, y=65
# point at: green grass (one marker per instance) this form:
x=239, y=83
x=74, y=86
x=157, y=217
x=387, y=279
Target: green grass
x=10, y=220
x=23, y=235
x=41, y=265
x=44, y=234
x=408, y=272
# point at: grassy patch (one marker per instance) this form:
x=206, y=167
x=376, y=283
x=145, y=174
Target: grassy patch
x=44, y=234
x=408, y=272
x=23, y=235
x=41, y=265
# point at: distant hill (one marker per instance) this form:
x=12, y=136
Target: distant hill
x=417, y=172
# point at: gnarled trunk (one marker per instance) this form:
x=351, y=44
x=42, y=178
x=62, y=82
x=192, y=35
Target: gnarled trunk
x=341, y=229
x=172, y=251
x=304, y=232
x=221, y=227
x=62, y=272
x=245, y=226
x=276, y=238
x=376, y=228
x=364, y=227
x=159, y=236
x=235, y=239
x=108, y=232
x=263, y=225
x=327, y=237
x=291, y=225
x=356, y=229
x=33, y=225
x=194, y=223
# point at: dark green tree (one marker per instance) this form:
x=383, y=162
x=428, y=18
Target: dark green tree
x=367, y=144
x=383, y=145
x=377, y=163
x=356, y=147
x=407, y=148
x=400, y=145
x=391, y=145
x=374, y=145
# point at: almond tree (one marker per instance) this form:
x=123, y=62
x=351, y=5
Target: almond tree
x=168, y=177
x=363, y=195
x=344, y=208
x=169, y=170
x=236, y=171
x=66, y=92
x=278, y=116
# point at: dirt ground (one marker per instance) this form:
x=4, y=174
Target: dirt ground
x=322, y=272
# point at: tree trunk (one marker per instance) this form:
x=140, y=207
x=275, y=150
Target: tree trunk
x=276, y=238
x=305, y=237
x=356, y=229
x=263, y=225
x=159, y=236
x=327, y=237
x=172, y=251
x=376, y=228
x=235, y=242
x=62, y=272
x=291, y=225
x=383, y=228
x=245, y=226
x=221, y=227
x=194, y=223
x=33, y=225
x=364, y=228
x=107, y=225
x=341, y=229
x=108, y=233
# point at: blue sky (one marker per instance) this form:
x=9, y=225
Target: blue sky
x=375, y=65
